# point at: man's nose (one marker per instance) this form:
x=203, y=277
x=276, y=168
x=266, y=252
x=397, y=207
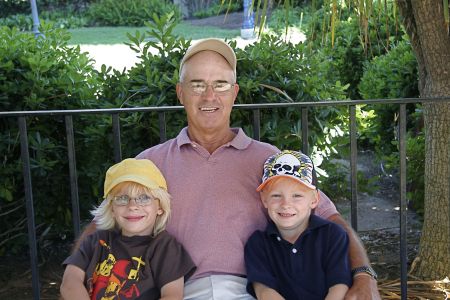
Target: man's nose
x=209, y=92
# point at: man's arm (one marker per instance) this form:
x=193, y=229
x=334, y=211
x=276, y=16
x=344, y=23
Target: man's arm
x=364, y=286
x=263, y=292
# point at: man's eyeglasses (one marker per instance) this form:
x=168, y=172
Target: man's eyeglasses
x=141, y=200
x=200, y=87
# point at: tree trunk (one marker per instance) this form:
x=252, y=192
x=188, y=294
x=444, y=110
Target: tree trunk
x=424, y=23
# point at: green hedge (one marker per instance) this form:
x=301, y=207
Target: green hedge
x=45, y=73
x=128, y=12
x=395, y=75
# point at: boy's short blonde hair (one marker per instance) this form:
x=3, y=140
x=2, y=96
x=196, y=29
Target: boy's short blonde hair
x=103, y=215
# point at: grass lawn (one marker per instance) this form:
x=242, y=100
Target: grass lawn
x=118, y=35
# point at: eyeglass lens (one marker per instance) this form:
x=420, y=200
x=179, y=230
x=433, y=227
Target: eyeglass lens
x=123, y=200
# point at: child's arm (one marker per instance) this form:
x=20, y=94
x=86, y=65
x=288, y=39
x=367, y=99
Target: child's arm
x=173, y=290
x=72, y=286
x=265, y=293
x=337, y=292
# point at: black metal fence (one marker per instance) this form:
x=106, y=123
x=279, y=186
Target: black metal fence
x=22, y=116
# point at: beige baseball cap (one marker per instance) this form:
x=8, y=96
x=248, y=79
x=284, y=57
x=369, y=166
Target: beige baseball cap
x=142, y=171
x=211, y=44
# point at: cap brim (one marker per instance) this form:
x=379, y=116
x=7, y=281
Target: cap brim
x=262, y=185
x=131, y=178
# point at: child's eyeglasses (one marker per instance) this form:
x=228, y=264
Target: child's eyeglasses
x=123, y=200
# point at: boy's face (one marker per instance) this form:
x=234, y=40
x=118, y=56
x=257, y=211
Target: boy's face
x=135, y=219
x=289, y=204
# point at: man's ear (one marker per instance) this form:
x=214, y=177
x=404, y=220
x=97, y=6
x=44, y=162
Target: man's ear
x=236, y=91
x=179, y=90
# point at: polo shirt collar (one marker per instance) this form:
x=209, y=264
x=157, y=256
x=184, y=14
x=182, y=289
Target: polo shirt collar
x=240, y=141
x=314, y=222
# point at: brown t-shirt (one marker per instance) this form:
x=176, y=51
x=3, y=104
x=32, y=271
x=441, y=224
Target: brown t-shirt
x=120, y=267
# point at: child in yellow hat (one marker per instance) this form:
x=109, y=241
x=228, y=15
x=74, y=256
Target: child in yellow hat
x=130, y=256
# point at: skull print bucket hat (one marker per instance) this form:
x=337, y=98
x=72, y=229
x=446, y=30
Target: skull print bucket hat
x=290, y=164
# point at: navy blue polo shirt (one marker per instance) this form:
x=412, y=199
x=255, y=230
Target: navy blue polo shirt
x=303, y=270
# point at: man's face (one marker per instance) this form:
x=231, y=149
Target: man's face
x=207, y=111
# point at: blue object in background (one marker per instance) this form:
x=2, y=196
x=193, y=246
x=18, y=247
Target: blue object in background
x=247, y=29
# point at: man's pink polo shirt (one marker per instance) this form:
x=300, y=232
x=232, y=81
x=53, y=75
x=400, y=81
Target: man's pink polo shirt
x=215, y=206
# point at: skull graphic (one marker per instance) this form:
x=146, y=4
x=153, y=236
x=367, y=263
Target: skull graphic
x=286, y=164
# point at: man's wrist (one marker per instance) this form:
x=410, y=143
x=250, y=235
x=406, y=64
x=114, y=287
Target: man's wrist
x=364, y=270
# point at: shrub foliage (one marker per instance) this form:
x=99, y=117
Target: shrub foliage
x=45, y=73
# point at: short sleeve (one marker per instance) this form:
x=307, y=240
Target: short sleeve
x=82, y=256
x=326, y=208
x=257, y=263
x=337, y=262
x=170, y=261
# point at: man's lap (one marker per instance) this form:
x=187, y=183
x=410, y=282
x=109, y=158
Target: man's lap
x=217, y=287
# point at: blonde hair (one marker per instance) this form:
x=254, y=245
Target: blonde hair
x=103, y=215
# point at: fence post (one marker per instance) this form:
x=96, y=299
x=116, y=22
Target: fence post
x=25, y=156
x=304, y=122
x=116, y=137
x=353, y=168
x=403, y=211
x=73, y=175
x=256, y=124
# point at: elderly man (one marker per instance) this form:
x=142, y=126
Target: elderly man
x=213, y=170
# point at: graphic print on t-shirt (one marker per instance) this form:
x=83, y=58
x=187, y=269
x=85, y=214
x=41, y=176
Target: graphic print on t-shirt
x=115, y=279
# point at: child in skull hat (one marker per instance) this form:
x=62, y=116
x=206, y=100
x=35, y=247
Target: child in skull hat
x=299, y=255
x=130, y=256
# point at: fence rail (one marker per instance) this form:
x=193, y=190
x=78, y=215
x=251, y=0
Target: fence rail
x=22, y=116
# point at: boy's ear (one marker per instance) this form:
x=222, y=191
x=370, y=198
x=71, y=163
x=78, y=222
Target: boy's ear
x=315, y=201
x=160, y=211
x=263, y=197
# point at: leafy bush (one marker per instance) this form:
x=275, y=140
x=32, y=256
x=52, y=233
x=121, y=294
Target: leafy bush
x=393, y=75
x=20, y=21
x=10, y=7
x=348, y=53
x=57, y=19
x=128, y=12
x=38, y=74
x=218, y=8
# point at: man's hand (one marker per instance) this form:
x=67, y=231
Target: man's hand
x=364, y=288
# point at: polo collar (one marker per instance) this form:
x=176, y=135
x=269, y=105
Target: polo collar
x=240, y=141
